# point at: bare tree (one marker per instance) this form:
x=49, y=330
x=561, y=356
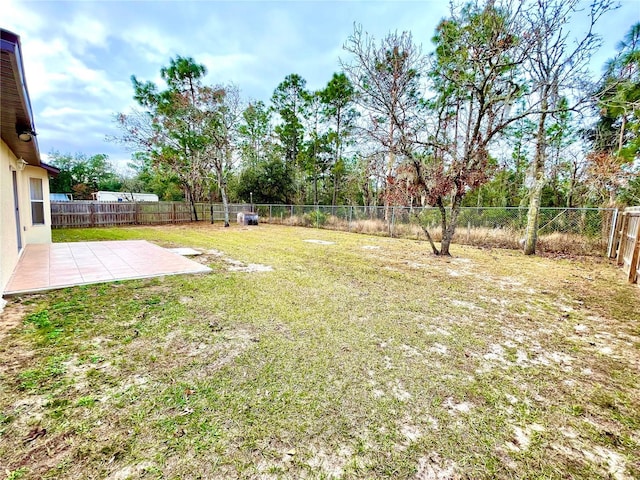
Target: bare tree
x=475, y=74
x=221, y=117
x=386, y=78
x=557, y=67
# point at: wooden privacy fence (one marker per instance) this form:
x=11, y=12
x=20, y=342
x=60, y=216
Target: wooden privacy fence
x=625, y=242
x=104, y=214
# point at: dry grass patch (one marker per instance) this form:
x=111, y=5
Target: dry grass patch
x=356, y=357
x=548, y=243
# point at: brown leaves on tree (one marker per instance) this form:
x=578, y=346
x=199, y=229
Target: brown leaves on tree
x=606, y=174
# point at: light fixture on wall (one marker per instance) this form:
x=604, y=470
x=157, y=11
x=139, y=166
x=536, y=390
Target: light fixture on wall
x=21, y=164
x=26, y=134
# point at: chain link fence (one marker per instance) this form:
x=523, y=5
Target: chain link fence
x=579, y=231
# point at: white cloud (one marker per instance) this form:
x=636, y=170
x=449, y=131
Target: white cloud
x=226, y=68
x=37, y=56
x=78, y=56
x=51, y=68
x=20, y=20
x=85, y=31
x=154, y=45
x=52, y=112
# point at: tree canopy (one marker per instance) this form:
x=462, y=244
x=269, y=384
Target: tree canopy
x=82, y=175
x=495, y=112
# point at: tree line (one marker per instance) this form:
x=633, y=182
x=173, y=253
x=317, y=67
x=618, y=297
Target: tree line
x=503, y=111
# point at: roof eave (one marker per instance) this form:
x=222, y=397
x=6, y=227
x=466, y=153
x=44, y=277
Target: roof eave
x=17, y=114
x=53, y=171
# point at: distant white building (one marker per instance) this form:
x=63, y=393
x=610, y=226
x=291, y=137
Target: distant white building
x=61, y=197
x=125, y=197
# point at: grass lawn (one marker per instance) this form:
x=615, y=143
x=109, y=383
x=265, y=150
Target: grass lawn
x=354, y=357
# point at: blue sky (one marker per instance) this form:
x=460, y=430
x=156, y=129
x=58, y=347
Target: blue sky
x=79, y=56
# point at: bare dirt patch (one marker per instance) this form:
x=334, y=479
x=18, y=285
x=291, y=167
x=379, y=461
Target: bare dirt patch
x=207, y=356
x=131, y=471
x=11, y=317
x=319, y=242
x=330, y=464
x=433, y=467
x=44, y=454
x=250, y=268
x=214, y=256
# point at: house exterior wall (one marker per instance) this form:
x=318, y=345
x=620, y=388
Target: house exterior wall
x=8, y=235
x=35, y=233
x=29, y=233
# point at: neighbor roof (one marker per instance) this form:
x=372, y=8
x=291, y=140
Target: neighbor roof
x=15, y=105
x=53, y=170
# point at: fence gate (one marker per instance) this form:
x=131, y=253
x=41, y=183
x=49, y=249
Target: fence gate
x=625, y=243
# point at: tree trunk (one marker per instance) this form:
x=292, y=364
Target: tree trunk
x=225, y=203
x=621, y=136
x=431, y=242
x=315, y=183
x=449, y=230
x=315, y=161
x=572, y=186
x=387, y=205
x=193, y=203
x=538, y=173
x=336, y=160
x=211, y=204
x=533, y=215
x=366, y=196
x=392, y=161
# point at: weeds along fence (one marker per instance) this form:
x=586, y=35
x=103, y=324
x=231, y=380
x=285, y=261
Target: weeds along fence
x=625, y=242
x=583, y=231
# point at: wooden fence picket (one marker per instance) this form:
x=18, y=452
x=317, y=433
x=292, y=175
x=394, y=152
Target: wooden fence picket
x=104, y=214
x=625, y=243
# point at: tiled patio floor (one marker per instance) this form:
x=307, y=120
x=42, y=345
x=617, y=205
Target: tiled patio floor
x=58, y=265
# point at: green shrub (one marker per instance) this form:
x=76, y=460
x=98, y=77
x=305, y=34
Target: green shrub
x=315, y=218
